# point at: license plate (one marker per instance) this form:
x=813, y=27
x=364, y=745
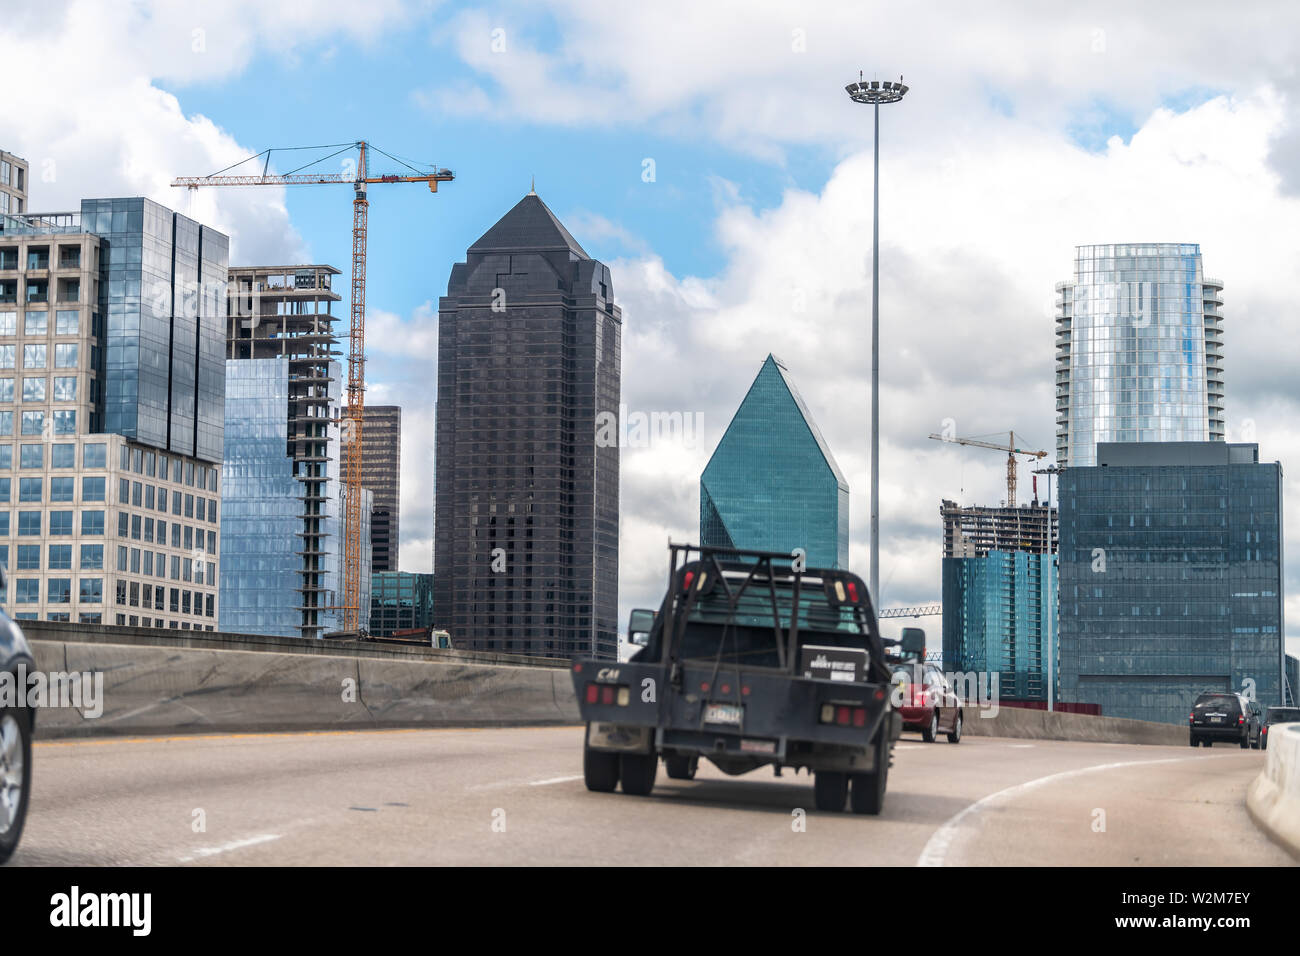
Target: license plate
x=1216, y=720
x=723, y=714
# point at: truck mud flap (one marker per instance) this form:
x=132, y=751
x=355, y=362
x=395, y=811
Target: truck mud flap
x=619, y=737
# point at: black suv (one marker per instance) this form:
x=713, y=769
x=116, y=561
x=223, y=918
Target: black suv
x=1277, y=715
x=1225, y=717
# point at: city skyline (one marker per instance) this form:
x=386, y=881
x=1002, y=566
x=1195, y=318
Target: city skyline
x=747, y=224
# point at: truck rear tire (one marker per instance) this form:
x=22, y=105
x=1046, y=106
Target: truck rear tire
x=830, y=789
x=868, y=794
x=599, y=769
x=638, y=773
x=681, y=766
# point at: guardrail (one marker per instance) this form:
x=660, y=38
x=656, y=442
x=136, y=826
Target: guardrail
x=1059, y=725
x=1273, y=798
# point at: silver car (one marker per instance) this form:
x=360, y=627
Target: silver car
x=16, y=724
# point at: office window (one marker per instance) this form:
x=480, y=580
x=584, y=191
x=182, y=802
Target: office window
x=121, y=557
x=27, y=591
x=162, y=500
x=95, y=455
x=31, y=456
x=60, y=523
x=29, y=523
x=212, y=574
x=176, y=502
x=135, y=560
x=30, y=489
x=8, y=320
x=61, y=489
x=91, y=592
x=6, y=423
x=148, y=496
x=137, y=460
x=189, y=473
x=176, y=471
x=189, y=505
x=161, y=567
x=34, y=356
x=135, y=527
x=65, y=421
x=92, y=488
x=212, y=510
x=147, y=566
x=92, y=556
x=162, y=531
x=212, y=542
x=63, y=456
x=149, y=465
x=123, y=491
x=92, y=522
x=174, y=601
x=6, y=389
x=125, y=461
x=90, y=618
x=189, y=539
x=185, y=601
x=65, y=356
x=33, y=423
x=59, y=591
x=210, y=605
x=212, y=480
x=135, y=493
x=176, y=534
x=36, y=323
x=200, y=505
x=120, y=595
x=67, y=322
x=65, y=388
x=7, y=355
x=28, y=557
x=60, y=557
x=5, y=489
x=34, y=388
x=6, y=456
x=148, y=530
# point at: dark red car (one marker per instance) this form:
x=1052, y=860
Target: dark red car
x=927, y=701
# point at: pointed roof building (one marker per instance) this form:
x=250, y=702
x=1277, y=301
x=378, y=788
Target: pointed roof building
x=772, y=483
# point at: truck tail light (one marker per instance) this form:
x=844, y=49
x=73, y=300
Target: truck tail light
x=608, y=694
x=843, y=715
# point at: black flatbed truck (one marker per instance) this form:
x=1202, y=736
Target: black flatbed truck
x=750, y=661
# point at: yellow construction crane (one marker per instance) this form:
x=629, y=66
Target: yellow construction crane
x=357, y=344
x=1011, y=450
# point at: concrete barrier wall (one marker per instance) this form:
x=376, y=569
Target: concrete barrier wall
x=151, y=689
x=1273, y=798
x=1042, y=725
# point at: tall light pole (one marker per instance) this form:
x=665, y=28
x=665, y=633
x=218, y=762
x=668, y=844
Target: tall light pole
x=875, y=93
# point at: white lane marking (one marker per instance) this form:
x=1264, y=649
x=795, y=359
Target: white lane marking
x=936, y=848
x=550, y=780
x=908, y=747
x=1019, y=746
x=227, y=847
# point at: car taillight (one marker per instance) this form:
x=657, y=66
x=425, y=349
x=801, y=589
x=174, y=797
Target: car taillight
x=608, y=694
x=1241, y=719
x=1191, y=716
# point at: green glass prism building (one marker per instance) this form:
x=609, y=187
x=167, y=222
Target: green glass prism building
x=772, y=483
x=1171, y=577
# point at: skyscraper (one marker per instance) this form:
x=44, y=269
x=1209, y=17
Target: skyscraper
x=772, y=483
x=381, y=472
x=282, y=517
x=526, y=530
x=1171, y=577
x=1139, y=349
x=116, y=314
x=999, y=594
x=13, y=184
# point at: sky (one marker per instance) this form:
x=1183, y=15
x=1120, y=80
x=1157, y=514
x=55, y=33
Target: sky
x=709, y=155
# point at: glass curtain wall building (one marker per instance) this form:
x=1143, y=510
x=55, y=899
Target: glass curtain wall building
x=999, y=590
x=400, y=601
x=107, y=321
x=772, y=483
x=1139, y=349
x=1171, y=577
x=526, y=530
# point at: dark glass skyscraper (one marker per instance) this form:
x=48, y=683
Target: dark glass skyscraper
x=1171, y=577
x=526, y=523
x=772, y=483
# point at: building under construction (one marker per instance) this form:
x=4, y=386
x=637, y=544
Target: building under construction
x=999, y=594
x=282, y=456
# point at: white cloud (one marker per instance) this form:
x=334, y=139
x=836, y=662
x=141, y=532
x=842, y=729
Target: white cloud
x=970, y=255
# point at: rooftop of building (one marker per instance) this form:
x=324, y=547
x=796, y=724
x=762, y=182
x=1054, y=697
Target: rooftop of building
x=530, y=225
x=1182, y=453
x=267, y=270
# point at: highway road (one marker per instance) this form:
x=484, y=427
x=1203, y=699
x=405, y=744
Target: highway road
x=515, y=796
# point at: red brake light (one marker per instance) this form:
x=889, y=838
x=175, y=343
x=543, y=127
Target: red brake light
x=1241, y=718
x=853, y=592
x=687, y=578
x=859, y=716
x=593, y=692
x=842, y=716
x=607, y=694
